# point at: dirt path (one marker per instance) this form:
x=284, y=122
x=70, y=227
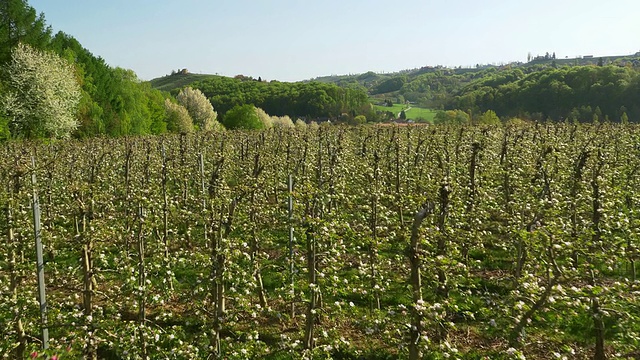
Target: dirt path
x=405, y=111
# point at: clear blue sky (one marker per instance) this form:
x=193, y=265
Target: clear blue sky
x=291, y=40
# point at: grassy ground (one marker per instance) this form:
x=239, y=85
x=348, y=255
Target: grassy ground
x=396, y=108
x=420, y=113
x=413, y=112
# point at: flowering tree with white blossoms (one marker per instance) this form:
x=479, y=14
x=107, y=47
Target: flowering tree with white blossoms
x=43, y=94
x=177, y=117
x=199, y=108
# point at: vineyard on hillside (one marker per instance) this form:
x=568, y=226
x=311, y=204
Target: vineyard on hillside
x=505, y=242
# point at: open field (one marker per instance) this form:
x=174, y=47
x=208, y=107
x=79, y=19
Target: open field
x=413, y=112
x=421, y=113
x=396, y=108
x=419, y=242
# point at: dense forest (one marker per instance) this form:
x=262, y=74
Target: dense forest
x=310, y=100
x=539, y=90
x=583, y=93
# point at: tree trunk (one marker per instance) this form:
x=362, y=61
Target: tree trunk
x=19, y=351
x=142, y=279
x=165, y=221
x=416, y=282
x=373, y=246
x=596, y=313
x=313, y=297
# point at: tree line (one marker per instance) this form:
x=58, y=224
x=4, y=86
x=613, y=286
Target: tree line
x=535, y=91
x=51, y=86
x=310, y=100
x=580, y=93
x=112, y=101
x=98, y=99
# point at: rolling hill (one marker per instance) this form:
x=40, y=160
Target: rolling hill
x=543, y=88
x=177, y=81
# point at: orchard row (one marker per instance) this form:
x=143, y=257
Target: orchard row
x=378, y=242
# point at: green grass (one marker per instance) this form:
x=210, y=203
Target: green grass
x=421, y=113
x=396, y=108
x=414, y=112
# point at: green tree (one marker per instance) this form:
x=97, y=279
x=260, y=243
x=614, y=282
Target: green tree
x=312, y=99
x=242, y=117
x=42, y=96
x=489, y=118
x=390, y=85
x=624, y=118
x=114, y=100
x=199, y=108
x=5, y=134
x=177, y=118
x=19, y=23
x=157, y=111
x=403, y=115
x=451, y=117
x=358, y=120
x=130, y=114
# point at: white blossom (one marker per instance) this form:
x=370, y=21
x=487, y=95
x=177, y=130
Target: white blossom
x=43, y=94
x=199, y=108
